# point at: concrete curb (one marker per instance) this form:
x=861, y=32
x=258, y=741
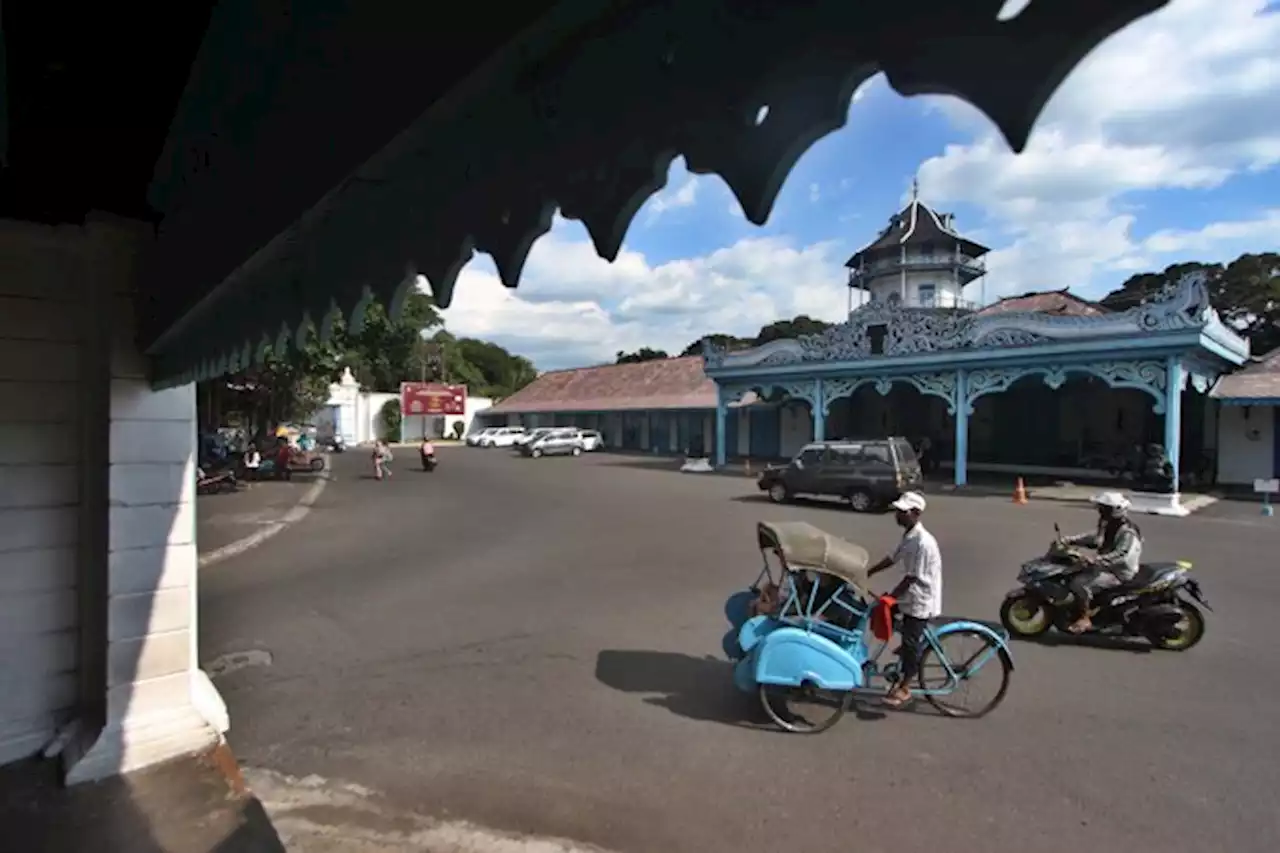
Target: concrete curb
x=293, y=516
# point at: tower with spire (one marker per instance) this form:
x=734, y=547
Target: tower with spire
x=917, y=261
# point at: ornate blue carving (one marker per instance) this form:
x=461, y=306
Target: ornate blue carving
x=935, y=384
x=1147, y=376
x=911, y=330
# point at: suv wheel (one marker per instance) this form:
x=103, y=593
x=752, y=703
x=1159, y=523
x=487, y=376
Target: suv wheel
x=577, y=451
x=859, y=500
x=535, y=453
x=778, y=493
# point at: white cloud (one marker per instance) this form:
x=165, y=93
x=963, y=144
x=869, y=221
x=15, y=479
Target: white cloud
x=681, y=191
x=572, y=308
x=1184, y=99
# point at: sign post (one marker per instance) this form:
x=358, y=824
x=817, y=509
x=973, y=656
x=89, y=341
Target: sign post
x=431, y=399
x=1267, y=488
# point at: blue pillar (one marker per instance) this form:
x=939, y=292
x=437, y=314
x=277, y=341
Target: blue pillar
x=819, y=411
x=1175, y=374
x=721, y=414
x=962, y=428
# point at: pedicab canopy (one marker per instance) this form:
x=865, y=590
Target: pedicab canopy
x=803, y=547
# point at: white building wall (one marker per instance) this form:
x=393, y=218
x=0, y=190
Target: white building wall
x=97, y=555
x=946, y=292
x=39, y=483
x=1246, y=444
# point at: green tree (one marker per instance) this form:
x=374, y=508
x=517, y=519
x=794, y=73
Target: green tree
x=726, y=342
x=794, y=328
x=387, y=352
x=391, y=418
x=642, y=354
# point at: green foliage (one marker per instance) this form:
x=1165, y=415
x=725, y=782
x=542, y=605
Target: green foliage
x=384, y=353
x=642, y=354
x=390, y=416
x=485, y=368
x=779, y=330
x=1246, y=293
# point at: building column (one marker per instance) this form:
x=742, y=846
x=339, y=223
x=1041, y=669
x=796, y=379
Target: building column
x=1175, y=376
x=143, y=698
x=819, y=411
x=962, y=428
x=722, y=414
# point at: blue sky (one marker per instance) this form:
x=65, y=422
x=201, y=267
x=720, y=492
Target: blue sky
x=1163, y=146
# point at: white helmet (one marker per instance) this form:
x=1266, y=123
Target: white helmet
x=1113, y=501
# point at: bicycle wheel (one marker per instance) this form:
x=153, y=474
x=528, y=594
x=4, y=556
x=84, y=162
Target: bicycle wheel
x=806, y=709
x=970, y=654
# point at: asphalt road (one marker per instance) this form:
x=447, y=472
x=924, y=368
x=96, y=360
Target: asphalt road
x=533, y=645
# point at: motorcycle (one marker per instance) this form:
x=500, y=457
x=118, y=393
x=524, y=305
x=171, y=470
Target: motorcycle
x=429, y=462
x=1153, y=605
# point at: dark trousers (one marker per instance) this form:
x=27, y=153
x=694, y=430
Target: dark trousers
x=912, y=647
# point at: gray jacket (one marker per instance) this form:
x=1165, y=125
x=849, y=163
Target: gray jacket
x=1124, y=555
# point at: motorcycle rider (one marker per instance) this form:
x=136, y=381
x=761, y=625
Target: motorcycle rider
x=1118, y=543
x=428, y=452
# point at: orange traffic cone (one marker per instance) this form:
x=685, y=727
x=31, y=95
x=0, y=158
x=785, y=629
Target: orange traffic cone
x=1020, y=492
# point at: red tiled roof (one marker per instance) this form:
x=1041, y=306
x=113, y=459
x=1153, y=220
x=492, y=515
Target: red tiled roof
x=1258, y=381
x=1060, y=302
x=669, y=383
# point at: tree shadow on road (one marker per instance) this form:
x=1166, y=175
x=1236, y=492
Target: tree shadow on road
x=688, y=686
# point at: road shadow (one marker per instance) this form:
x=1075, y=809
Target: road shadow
x=809, y=503
x=698, y=688
x=1054, y=639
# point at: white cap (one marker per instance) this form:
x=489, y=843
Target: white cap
x=1114, y=500
x=909, y=501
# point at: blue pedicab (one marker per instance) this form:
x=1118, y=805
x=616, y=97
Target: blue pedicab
x=807, y=656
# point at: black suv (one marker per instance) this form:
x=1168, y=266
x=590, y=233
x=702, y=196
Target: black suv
x=868, y=474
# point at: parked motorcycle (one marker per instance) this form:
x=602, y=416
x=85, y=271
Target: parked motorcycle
x=337, y=444
x=1153, y=605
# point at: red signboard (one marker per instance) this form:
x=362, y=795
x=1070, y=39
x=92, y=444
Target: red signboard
x=432, y=398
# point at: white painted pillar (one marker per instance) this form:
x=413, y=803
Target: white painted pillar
x=143, y=695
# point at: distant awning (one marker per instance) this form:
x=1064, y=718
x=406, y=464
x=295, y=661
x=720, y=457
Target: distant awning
x=584, y=111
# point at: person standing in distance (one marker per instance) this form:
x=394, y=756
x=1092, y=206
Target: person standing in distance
x=919, y=593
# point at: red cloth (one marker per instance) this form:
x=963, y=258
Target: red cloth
x=882, y=617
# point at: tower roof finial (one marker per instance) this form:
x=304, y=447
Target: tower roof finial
x=915, y=188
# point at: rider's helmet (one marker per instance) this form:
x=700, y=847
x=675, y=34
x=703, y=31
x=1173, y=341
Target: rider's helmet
x=1111, y=505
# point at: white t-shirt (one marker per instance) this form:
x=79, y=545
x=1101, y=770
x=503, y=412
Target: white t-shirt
x=920, y=558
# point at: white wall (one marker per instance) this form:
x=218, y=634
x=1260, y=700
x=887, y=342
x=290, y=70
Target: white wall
x=39, y=483
x=1246, y=444
x=946, y=292
x=97, y=514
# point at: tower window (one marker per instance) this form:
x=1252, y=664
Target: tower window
x=928, y=295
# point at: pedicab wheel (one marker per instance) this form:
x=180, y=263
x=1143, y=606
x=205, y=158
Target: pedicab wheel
x=1024, y=618
x=859, y=500
x=317, y=464
x=976, y=657
x=828, y=706
x=1189, y=631
x=778, y=493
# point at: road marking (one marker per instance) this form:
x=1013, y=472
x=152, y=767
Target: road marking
x=318, y=813
x=293, y=516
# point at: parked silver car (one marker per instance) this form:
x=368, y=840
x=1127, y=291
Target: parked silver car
x=557, y=442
